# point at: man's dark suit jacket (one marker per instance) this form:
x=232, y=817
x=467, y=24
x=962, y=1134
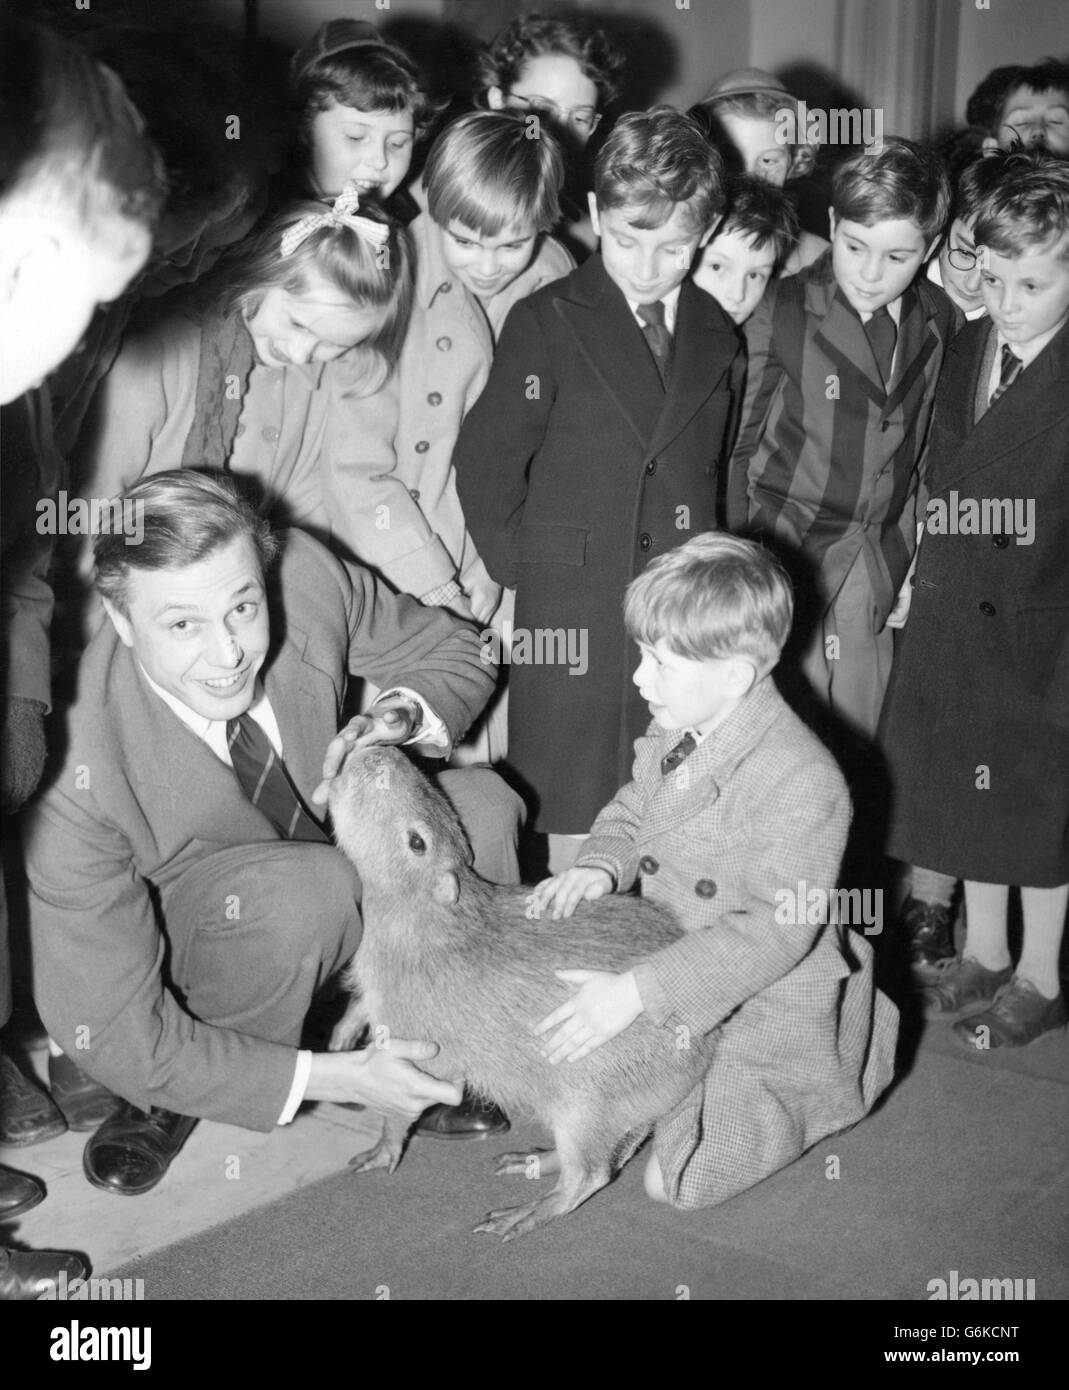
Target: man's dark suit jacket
x=139, y=799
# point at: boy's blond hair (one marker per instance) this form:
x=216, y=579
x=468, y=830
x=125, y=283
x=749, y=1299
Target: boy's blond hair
x=716, y=596
x=492, y=171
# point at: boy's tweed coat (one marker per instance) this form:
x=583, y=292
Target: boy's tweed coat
x=982, y=677
x=575, y=468
x=759, y=809
x=826, y=458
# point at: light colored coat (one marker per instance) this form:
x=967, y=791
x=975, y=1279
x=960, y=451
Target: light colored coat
x=807, y=1043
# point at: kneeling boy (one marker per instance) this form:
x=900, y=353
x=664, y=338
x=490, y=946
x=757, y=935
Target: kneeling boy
x=736, y=819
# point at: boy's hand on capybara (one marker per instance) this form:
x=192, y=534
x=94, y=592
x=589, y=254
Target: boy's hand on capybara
x=564, y=892
x=389, y=724
x=602, y=1007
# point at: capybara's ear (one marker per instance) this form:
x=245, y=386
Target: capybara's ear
x=446, y=888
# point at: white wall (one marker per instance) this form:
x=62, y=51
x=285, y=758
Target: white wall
x=1010, y=31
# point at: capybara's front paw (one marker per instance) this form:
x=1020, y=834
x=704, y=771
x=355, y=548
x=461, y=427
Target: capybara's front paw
x=386, y=1154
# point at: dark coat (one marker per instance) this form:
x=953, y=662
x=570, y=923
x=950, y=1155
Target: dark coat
x=575, y=468
x=982, y=679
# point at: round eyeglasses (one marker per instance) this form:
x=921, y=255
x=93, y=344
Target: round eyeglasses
x=963, y=260
x=583, y=118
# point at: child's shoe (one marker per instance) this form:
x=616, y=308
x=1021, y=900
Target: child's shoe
x=959, y=983
x=1019, y=1015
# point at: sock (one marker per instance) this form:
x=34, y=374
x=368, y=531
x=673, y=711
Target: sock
x=930, y=886
x=985, y=935
x=1043, y=910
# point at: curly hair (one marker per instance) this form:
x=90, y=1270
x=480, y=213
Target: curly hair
x=535, y=36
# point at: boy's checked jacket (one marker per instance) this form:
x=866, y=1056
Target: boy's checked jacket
x=826, y=458
x=807, y=1042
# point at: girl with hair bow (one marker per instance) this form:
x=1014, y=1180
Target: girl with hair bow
x=280, y=367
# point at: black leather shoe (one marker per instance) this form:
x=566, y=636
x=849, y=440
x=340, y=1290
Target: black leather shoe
x=18, y=1193
x=928, y=928
x=23, y=1273
x=471, y=1119
x=27, y=1114
x=130, y=1153
x=84, y=1102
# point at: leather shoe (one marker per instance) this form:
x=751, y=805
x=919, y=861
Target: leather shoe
x=471, y=1119
x=84, y=1102
x=961, y=982
x=1019, y=1015
x=130, y=1153
x=27, y=1114
x=23, y=1272
x=927, y=929
x=18, y=1193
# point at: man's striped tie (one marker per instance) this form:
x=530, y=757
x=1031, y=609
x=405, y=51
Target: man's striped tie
x=263, y=778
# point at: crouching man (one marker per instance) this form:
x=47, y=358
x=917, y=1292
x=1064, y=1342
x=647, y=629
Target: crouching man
x=186, y=900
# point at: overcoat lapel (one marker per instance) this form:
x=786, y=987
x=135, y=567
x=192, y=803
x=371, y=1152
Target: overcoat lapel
x=701, y=354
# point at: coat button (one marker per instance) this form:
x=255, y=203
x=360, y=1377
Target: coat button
x=422, y=447
x=705, y=888
x=645, y=541
x=648, y=864
x=413, y=492
x=445, y=287
x=435, y=398
x=444, y=344
x=987, y=609
x=1001, y=541
x=270, y=434
x=651, y=467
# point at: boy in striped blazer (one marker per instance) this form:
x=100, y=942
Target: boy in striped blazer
x=843, y=363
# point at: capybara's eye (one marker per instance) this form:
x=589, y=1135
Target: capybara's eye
x=416, y=843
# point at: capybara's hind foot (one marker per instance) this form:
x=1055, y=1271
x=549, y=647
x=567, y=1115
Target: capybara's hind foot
x=386, y=1154
x=511, y=1222
x=536, y=1163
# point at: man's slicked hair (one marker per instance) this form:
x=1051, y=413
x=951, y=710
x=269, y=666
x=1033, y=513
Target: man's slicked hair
x=184, y=516
x=70, y=137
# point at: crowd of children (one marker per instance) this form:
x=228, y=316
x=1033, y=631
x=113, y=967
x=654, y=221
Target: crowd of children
x=417, y=371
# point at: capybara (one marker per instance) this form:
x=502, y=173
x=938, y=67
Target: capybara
x=449, y=957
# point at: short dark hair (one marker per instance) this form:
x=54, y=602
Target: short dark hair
x=1026, y=207
x=69, y=135
x=486, y=171
x=186, y=515
x=349, y=63
x=977, y=179
x=1050, y=75
x=656, y=159
x=762, y=213
x=536, y=36
x=899, y=179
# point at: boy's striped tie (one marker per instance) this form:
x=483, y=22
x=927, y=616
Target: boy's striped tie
x=657, y=335
x=683, y=749
x=265, y=781
x=1010, y=370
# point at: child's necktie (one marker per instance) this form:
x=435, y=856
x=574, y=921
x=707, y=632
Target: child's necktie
x=265, y=781
x=657, y=335
x=882, y=335
x=683, y=749
x=1009, y=371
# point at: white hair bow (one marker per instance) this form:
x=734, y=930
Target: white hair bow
x=342, y=214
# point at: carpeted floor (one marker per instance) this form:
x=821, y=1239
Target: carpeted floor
x=964, y=1167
